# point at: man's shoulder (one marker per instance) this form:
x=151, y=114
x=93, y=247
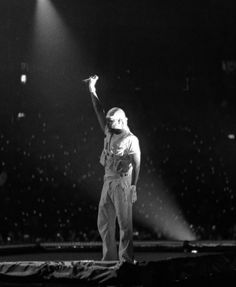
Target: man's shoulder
x=132, y=140
x=132, y=136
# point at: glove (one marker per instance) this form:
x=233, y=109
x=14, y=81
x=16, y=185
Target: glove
x=133, y=193
x=92, y=83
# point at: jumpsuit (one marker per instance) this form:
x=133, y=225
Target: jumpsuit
x=116, y=198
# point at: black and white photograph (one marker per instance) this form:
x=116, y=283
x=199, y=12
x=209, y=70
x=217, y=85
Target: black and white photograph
x=117, y=143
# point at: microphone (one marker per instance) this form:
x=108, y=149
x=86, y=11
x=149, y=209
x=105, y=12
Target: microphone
x=86, y=80
x=92, y=77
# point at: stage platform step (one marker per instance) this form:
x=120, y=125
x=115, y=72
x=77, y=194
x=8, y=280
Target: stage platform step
x=203, y=245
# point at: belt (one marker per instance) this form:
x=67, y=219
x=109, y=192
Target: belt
x=111, y=177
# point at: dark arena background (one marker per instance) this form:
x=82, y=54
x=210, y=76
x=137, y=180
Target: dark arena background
x=171, y=65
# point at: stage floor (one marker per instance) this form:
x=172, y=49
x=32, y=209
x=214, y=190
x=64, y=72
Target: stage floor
x=158, y=263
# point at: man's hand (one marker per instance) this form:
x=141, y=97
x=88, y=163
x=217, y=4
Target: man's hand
x=92, y=82
x=133, y=193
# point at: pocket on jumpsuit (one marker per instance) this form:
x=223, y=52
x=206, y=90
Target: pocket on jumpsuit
x=125, y=187
x=105, y=188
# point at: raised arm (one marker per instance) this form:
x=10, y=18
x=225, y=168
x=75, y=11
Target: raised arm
x=97, y=105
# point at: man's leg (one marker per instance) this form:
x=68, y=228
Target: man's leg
x=107, y=226
x=123, y=205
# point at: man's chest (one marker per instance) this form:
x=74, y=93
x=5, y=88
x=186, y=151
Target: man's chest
x=116, y=145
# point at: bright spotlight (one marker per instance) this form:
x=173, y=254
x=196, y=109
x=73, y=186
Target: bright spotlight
x=160, y=213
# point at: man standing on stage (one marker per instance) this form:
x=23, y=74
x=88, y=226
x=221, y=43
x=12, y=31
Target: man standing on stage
x=121, y=159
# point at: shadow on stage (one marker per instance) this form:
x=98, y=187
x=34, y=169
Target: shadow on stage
x=159, y=263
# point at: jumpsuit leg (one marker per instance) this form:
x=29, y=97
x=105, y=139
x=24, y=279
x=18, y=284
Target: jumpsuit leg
x=107, y=226
x=123, y=205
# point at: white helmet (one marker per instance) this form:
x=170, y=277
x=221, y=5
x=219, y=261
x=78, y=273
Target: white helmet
x=115, y=114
